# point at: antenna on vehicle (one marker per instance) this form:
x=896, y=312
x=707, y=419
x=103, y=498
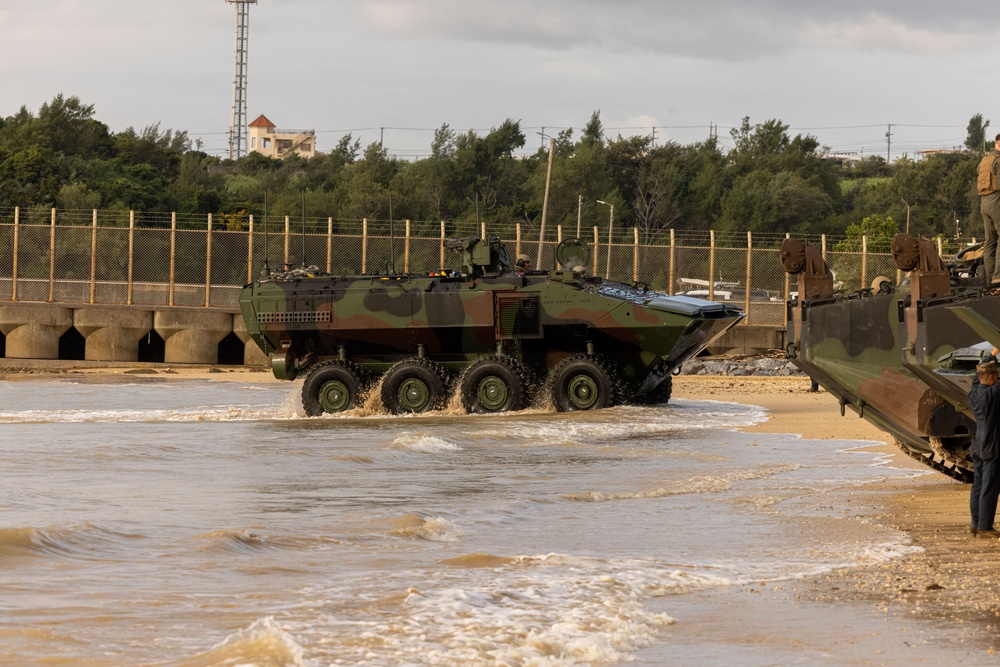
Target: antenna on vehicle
x=303, y=228
x=267, y=268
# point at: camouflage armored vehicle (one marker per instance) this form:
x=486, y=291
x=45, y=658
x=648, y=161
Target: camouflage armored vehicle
x=501, y=335
x=903, y=356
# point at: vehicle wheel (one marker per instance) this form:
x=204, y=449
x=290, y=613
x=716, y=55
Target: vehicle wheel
x=414, y=385
x=583, y=383
x=331, y=387
x=493, y=384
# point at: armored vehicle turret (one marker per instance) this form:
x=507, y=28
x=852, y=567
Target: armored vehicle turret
x=499, y=336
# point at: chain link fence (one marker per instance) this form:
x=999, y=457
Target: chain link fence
x=169, y=259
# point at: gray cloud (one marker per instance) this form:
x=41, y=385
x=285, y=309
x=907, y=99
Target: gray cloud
x=723, y=30
x=472, y=63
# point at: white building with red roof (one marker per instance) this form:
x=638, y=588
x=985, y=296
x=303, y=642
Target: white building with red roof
x=267, y=139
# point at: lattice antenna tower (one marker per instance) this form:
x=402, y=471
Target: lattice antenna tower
x=237, y=131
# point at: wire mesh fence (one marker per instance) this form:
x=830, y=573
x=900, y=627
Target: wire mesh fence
x=169, y=259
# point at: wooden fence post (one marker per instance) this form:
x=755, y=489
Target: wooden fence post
x=635, y=254
x=329, y=243
x=131, y=256
x=173, y=258
x=286, y=265
x=93, y=258
x=441, y=249
x=208, y=262
x=788, y=281
x=597, y=249
x=250, y=250
x=52, y=256
x=13, y=266
x=364, y=245
x=711, y=265
x=670, y=285
x=746, y=289
x=406, y=249
x=864, y=261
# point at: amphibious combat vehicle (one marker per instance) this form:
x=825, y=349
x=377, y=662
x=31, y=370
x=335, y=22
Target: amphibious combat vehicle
x=901, y=356
x=499, y=335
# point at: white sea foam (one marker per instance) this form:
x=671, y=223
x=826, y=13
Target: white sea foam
x=541, y=610
x=210, y=414
x=439, y=530
x=424, y=443
x=699, y=484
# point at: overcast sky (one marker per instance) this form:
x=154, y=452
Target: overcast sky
x=842, y=71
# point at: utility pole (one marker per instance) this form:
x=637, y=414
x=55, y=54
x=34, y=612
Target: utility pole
x=611, y=226
x=545, y=204
x=888, y=144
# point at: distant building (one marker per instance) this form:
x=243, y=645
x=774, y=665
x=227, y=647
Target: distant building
x=943, y=151
x=843, y=159
x=267, y=139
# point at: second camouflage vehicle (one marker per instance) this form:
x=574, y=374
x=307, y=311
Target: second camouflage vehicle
x=901, y=356
x=499, y=336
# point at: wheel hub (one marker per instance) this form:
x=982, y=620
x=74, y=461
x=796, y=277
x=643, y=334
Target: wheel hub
x=334, y=396
x=414, y=395
x=492, y=393
x=583, y=392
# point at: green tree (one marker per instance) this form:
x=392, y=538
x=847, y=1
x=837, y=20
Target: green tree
x=880, y=230
x=488, y=178
x=975, y=134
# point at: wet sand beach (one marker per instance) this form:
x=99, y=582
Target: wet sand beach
x=954, y=581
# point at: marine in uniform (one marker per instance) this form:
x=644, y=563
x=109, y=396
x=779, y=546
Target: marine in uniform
x=984, y=398
x=988, y=187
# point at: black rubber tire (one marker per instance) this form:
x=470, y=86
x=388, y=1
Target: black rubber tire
x=493, y=384
x=333, y=386
x=583, y=383
x=413, y=385
x=660, y=395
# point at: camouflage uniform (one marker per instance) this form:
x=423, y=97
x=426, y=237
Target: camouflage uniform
x=985, y=402
x=989, y=206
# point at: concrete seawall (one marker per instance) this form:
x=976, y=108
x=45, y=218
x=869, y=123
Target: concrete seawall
x=126, y=334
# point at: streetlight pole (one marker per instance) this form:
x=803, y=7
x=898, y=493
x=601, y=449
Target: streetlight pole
x=611, y=225
x=545, y=202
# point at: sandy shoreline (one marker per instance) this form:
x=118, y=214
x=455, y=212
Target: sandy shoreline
x=955, y=581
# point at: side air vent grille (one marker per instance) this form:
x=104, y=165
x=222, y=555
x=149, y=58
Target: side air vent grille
x=294, y=317
x=518, y=316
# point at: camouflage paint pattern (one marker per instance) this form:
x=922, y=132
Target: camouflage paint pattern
x=889, y=356
x=540, y=319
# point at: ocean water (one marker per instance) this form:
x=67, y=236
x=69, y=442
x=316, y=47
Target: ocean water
x=196, y=523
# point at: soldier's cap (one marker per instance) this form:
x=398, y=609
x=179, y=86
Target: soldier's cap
x=522, y=260
x=987, y=367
